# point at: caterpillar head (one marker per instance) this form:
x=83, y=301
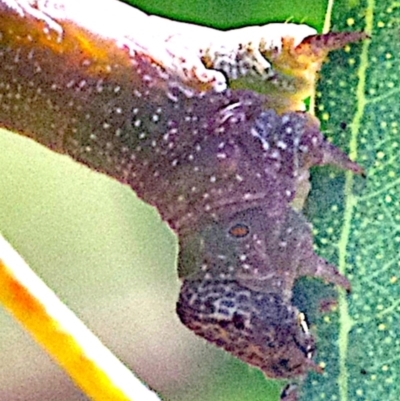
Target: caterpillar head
x=239, y=273
x=259, y=328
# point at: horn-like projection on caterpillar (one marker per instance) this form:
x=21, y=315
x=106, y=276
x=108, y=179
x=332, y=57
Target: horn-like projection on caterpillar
x=163, y=107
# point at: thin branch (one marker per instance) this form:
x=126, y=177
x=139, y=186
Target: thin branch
x=80, y=353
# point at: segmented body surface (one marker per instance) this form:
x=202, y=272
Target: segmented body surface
x=221, y=165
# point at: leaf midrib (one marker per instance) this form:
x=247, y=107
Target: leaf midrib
x=345, y=320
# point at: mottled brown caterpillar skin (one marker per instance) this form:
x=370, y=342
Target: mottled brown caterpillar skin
x=222, y=169
x=260, y=328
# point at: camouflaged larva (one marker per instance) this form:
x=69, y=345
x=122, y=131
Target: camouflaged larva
x=222, y=169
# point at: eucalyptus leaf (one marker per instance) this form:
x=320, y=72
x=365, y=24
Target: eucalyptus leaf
x=356, y=219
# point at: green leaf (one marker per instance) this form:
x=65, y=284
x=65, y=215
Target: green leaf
x=356, y=219
x=227, y=14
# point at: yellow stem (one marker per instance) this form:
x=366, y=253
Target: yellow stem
x=80, y=353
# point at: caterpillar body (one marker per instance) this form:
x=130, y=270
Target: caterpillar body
x=171, y=118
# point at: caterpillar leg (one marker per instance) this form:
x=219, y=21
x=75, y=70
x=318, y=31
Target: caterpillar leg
x=298, y=233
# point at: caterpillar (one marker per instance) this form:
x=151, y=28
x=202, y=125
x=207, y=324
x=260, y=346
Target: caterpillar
x=172, y=118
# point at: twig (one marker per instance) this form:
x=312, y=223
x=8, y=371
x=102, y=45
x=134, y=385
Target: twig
x=81, y=354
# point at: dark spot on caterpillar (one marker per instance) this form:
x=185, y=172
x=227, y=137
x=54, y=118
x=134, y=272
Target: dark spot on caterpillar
x=238, y=321
x=239, y=231
x=343, y=125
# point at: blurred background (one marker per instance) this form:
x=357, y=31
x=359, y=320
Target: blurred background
x=111, y=259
